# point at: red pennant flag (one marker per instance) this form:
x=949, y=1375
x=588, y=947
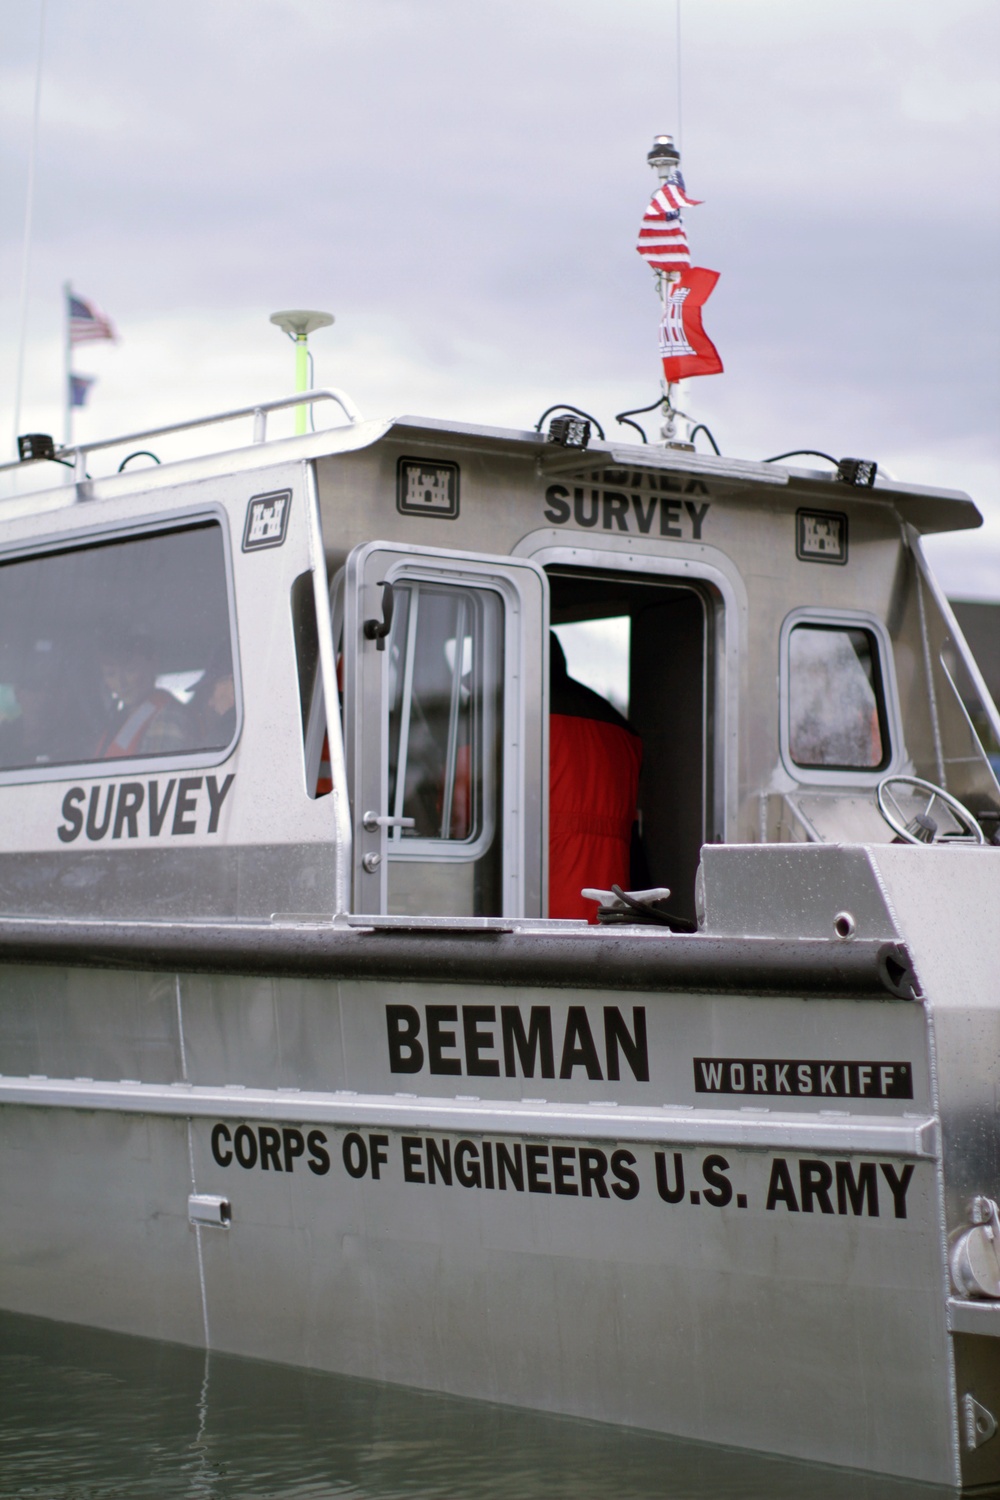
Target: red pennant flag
x=685, y=346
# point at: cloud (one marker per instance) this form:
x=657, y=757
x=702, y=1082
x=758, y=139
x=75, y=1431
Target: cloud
x=462, y=184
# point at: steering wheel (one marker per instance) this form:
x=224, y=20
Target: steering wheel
x=922, y=828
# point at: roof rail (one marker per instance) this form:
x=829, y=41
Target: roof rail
x=78, y=451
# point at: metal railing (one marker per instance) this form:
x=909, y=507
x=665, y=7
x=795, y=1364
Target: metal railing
x=79, y=452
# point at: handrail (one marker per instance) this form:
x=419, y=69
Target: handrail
x=259, y=411
x=331, y=699
x=588, y=958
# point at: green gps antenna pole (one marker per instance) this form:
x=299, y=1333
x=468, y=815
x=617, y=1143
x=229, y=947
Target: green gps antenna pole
x=299, y=325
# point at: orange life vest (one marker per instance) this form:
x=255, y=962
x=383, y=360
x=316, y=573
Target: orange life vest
x=593, y=789
x=127, y=739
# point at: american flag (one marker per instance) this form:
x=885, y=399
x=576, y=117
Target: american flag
x=87, y=323
x=79, y=388
x=662, y=241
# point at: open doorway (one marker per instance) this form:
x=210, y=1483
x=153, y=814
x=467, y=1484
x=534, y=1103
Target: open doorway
x=642, y=644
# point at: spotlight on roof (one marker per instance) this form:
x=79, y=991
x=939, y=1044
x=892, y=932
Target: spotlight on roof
x=569, y=432
x=858, y=471
x=32, y=445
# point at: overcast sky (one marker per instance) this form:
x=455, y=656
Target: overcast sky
x=461, y=184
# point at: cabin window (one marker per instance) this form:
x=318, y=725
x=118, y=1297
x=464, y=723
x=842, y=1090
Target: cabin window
x=444, y=676
x=306, y=637
x=116, y=651
x=836, y=704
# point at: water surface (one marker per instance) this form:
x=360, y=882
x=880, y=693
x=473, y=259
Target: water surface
x=86, y=1415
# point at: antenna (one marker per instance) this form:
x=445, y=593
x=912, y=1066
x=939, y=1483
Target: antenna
x=299, y=324
x=28, y=213
x=680, y=101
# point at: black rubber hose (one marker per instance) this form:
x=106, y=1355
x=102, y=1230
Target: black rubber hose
x=802, y=453
x=139, y=453
x=702, y=428
x=565, y=406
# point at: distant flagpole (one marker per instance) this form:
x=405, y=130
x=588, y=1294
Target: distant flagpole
x=68, y=368
x=28, y=211
x=85, y=324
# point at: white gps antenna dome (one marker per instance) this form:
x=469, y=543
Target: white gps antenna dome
x=299, y=323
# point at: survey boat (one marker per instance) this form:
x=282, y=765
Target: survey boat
x=297, y=1064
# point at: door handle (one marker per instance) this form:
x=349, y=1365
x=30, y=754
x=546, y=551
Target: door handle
x=372, y=820
x=377, y=630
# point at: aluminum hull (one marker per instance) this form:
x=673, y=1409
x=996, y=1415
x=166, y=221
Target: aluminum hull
x=757, y=1267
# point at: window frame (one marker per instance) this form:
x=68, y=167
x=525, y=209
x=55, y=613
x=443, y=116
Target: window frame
x=96, y=535
x=890, y=718
x=474, y=847
x=419, y=570
x=521, y=834
x=715, y=575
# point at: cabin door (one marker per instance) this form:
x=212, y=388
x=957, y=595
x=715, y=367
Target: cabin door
x=444, y=733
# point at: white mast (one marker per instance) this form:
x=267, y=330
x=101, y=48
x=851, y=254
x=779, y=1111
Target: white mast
x=68, y=368
x=665, y=159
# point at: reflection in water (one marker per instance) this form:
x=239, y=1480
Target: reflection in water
x=86, y=1415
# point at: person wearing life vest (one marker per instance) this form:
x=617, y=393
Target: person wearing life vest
x=594, y=762
x=146, y=720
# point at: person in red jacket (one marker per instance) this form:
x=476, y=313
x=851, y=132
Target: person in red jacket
x=594, y=761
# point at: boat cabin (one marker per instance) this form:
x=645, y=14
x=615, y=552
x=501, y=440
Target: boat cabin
x=311, y=676
x=301, y=988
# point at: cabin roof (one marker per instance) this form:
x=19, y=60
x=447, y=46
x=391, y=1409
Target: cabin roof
x=927, y=509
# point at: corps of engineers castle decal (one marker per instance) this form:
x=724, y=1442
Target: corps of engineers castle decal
x=638, y=501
